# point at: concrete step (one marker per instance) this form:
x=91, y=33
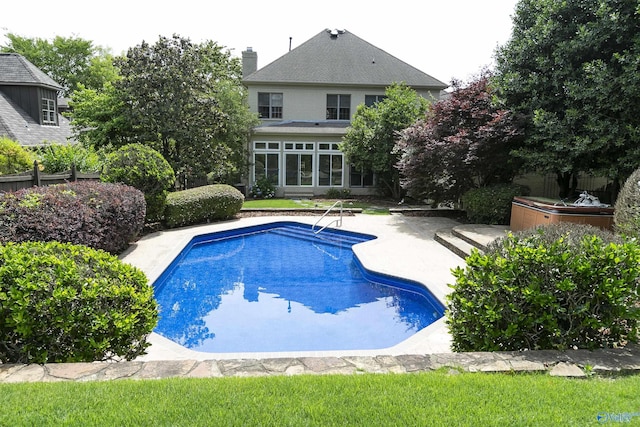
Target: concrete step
x=455, y=244
x=463, y=238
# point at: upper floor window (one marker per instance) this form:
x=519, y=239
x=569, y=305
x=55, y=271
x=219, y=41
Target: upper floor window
x=370, y=100
x=48, y=111
x=338, y=107
x=270, y=105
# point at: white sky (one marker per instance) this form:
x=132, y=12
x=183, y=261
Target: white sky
x=446, y=39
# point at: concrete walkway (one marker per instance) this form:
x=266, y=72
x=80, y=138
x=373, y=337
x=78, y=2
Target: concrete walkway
x=405, y=247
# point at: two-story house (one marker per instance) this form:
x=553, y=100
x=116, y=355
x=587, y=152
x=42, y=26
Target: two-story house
x=29, y=104
x=306, y=99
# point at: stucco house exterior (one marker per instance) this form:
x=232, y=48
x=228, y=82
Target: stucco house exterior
x=29, y=112
x=306, y=100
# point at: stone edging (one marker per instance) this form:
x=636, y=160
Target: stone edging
x=575, y=363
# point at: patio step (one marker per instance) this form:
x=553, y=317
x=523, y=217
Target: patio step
x=463, y=238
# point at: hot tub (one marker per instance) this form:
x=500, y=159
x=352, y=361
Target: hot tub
x=528, y=212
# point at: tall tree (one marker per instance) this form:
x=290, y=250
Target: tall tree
x=462, y=143
x=573, y=68
x=370, y=140
x=177, y=98
x=70, y=61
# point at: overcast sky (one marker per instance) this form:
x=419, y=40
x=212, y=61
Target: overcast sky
x=446, y=39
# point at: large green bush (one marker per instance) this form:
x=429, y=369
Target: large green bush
x=57, y=158
x=100, y=215
x=144, y=168
x=14, y=158
x=492, y=204
x=626, y=217
x=69, y=303
x=556, y=287
x=202, y=204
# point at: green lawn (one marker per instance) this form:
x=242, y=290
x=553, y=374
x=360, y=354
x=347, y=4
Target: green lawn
x=367, y=208
x=439, y=398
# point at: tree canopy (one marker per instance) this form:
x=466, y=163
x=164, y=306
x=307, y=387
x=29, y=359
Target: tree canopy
x=183, y=99
x=573, y=68
x=462, y=143
x=370, y=139
x=70, y=61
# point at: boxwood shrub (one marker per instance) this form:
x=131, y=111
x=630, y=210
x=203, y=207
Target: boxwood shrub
x=143, y=168
x=202, y=204
x=555, y=287
x=70, y=303
x=99, y=215
x=492, y=204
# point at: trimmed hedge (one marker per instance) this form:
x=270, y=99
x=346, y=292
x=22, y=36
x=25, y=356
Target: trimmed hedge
x=70, y=303
x=626, y=216
x=99, y=215
x=491, y=205
x=143, y=168
x=556, y=287
x=202, y=204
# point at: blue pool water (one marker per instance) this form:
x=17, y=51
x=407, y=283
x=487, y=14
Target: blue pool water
x=278, y=287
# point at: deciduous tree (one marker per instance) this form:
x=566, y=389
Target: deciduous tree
x=69, y=61
x=370, y=140
x=462, y=143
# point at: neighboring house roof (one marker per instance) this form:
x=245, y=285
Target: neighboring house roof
x=16, y=70
x=335, y=57
x=16, y=124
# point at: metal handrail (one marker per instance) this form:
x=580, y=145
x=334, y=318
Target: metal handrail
x=337, y=221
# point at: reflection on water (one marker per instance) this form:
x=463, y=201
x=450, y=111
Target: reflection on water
x=269, y=292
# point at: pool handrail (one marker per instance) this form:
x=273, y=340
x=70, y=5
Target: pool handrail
x=338, y=221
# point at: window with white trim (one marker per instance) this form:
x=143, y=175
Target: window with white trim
x=266, y=161
x=270, y=105
x=48, y=111
x=338, y=107
x=298, y=163
x=370, y=100
x=359, y=177
x=330, y=165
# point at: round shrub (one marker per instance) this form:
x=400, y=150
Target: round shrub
x=100, y=215
x=202, y=204
x=144, y=168
x=14, y=158
x=69, y=303
x=491, y=205
x=626, y=216
x=556, y=287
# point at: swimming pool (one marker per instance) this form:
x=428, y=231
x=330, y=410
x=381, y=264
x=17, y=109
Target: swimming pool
x=278, y=287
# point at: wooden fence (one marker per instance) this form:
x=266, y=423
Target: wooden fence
x=36, y=178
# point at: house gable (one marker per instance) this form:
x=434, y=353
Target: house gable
x=341, y=58
x=29, y=103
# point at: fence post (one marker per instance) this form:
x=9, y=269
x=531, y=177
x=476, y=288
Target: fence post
x=36, y=174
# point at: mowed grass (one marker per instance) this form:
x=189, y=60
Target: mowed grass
x=438, y=398
x=367, y=208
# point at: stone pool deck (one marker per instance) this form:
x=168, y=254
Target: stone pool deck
x=406, y=246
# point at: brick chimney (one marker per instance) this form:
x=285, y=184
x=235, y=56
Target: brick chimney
x=249, y=62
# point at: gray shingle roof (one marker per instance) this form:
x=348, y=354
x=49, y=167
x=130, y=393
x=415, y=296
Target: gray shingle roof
x=341, y=59
x=16, y=70
x=16, y=124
